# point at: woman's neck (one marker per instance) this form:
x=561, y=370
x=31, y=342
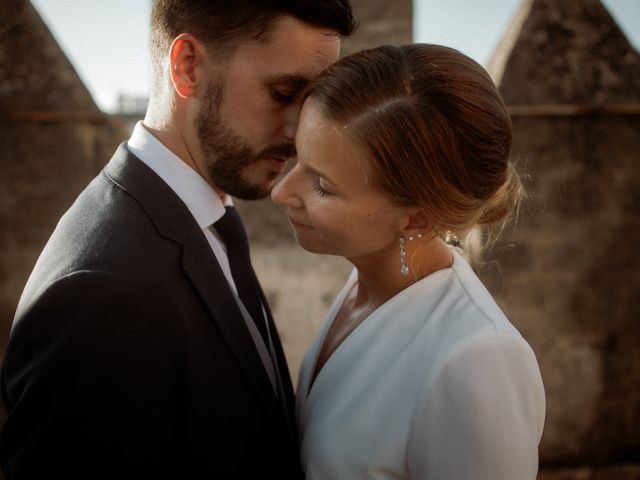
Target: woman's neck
x=379, y=276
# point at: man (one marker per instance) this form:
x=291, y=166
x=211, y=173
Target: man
x=142, y=346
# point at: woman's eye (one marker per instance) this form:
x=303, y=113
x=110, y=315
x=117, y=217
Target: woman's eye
x=319, y=190
x=317, y=187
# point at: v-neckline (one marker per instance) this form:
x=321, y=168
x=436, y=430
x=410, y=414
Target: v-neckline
x=337, y=306
x=317, y=368
x=351, y=282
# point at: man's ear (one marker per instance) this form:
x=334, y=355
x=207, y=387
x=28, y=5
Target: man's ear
x=186, y=56
x=416, y=222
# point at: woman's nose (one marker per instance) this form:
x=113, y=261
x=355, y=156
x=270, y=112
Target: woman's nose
x=284, y=191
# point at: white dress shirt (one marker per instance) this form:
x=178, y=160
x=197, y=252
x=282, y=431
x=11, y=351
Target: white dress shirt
x=435, y=384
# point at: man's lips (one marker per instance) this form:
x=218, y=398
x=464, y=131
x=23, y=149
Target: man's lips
x=278, y=163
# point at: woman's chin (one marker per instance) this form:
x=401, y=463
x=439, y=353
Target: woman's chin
x=308, y=245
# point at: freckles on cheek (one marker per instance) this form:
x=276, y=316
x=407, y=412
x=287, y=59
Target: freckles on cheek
x=350, y=228
x=330, y=224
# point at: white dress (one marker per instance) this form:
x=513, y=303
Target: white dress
x=435, y=384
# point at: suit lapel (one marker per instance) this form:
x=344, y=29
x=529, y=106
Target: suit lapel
x=202, y=268
x=174, y=221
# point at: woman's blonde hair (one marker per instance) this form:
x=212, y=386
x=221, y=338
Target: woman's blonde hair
x=436, y=126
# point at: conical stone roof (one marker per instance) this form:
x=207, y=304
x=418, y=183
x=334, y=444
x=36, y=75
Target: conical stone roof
x=565, y=51
x=35, y=74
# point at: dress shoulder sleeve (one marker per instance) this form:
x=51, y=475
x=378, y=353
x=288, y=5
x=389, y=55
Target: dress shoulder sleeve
x=480, y=414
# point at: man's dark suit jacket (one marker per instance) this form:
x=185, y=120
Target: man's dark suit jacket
x=129, y=357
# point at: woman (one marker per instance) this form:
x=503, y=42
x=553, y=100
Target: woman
x=416, y=373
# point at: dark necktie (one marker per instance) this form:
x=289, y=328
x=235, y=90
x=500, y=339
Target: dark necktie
x=233, y=234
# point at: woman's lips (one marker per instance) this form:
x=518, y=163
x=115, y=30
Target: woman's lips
x=297, y=224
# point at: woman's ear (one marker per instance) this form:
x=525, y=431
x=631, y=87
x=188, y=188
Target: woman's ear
x=185, y=59
x=416, y=223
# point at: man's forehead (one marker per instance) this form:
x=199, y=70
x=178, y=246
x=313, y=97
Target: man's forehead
x=286, y=68
x=291, y=35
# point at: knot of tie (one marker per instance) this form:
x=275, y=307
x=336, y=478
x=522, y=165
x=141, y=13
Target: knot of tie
x=231, y=229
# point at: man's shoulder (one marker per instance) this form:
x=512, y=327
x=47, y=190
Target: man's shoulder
x=105, y=230
x=103, y=214
x=121, y=225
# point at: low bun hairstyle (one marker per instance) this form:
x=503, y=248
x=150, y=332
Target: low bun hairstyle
x=437, y=129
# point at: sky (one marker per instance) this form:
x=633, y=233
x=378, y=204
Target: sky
x=106, y=40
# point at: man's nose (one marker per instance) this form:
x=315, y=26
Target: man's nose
x=292, y=117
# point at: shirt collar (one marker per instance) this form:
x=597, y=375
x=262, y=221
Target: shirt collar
x=201, y=199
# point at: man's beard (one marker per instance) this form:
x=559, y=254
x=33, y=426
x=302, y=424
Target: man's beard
x=227, y=154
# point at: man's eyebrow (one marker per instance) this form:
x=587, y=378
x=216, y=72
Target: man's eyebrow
x=294, y=80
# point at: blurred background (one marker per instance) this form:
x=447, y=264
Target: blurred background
x=74, y=79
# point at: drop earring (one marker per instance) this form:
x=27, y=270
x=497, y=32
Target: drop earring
x=404, y=270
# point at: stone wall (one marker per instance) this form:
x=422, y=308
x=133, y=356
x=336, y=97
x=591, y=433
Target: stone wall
x=381, y=22
x=568, y=278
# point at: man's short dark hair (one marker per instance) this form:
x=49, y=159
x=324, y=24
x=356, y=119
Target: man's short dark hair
x=223, y=23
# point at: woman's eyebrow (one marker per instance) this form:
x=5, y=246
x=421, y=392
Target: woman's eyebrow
x=320, y=174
